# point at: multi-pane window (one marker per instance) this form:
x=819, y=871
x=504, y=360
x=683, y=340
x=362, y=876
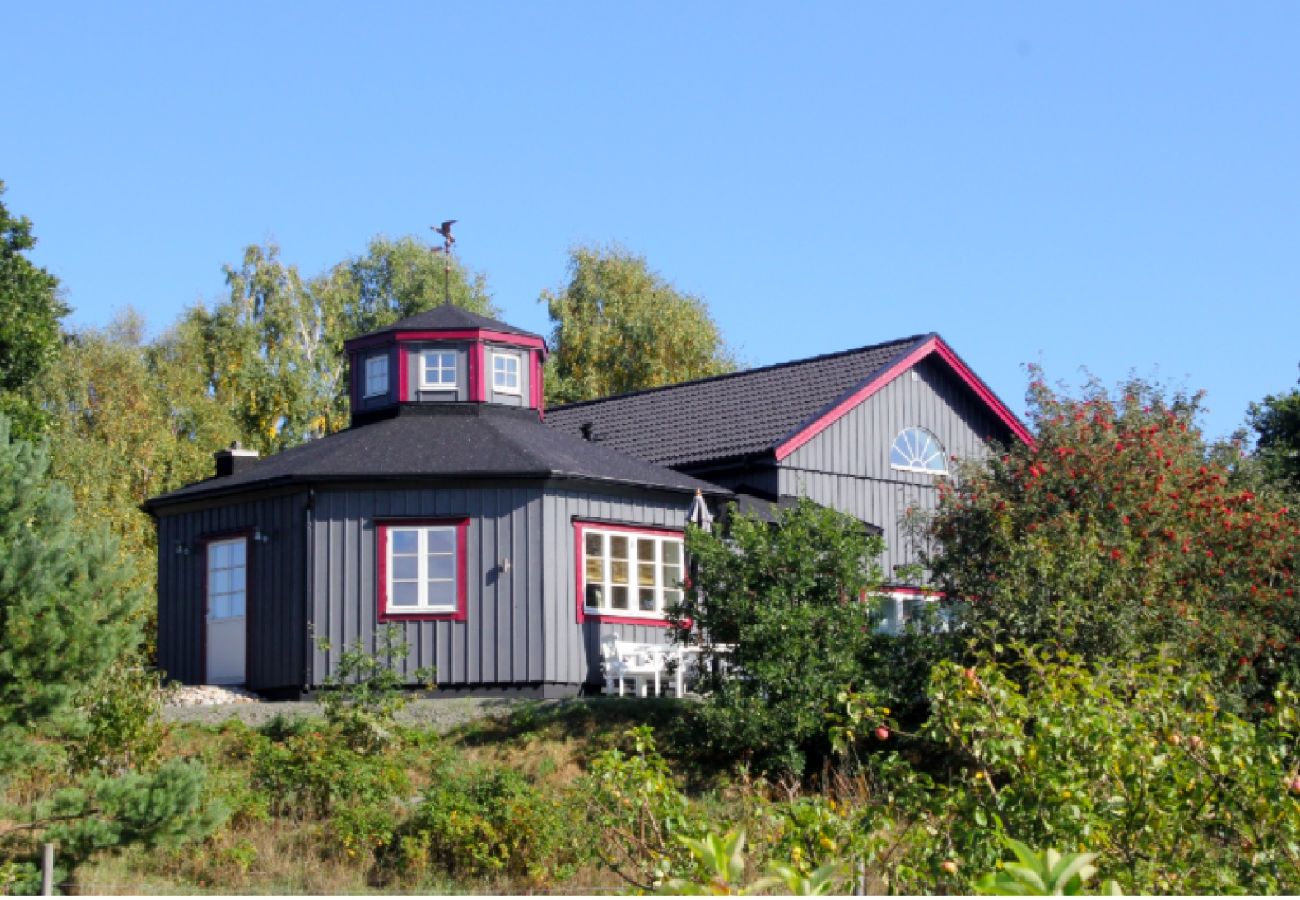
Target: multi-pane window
x=631, y=573
x=376, y=375
x=916, y=450
x=420, y=568
x=438, y=370
x=227, y=578
x=505, y=373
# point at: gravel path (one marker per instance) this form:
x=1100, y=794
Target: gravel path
x=440, y=715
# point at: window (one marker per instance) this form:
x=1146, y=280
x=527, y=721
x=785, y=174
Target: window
x=227, y=578
x=376, y=375
x=438, y=370
x=422, y=569
x=505, y=373
x=630, y=572
x=916, y=450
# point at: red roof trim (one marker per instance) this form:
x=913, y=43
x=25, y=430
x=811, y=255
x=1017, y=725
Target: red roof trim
x=403, y=368
x=477, y=364
x=983, y=391
x=580, y=573
x=461, y=612
x=459, y=334
x=933, y=345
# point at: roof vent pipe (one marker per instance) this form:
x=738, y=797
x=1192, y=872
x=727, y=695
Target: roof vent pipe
x=588, y=430
x=234, y=460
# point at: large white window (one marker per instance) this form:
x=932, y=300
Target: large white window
x=438, y=370
x=630, y=572
x=421, y=569
x=505, y=373
x=916, y=450
x=376, y=375
x=227, y=578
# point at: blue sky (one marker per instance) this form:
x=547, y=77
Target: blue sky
x=1104, y=185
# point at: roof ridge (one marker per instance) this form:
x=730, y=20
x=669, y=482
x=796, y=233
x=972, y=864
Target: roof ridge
x=912, y=339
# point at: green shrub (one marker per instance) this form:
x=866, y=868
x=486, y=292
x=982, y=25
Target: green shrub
x=123, y=727
x=489, y=820
x=1135, y=761
x=315, y=773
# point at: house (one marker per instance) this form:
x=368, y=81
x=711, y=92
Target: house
x=865, y=431
x=509, y=543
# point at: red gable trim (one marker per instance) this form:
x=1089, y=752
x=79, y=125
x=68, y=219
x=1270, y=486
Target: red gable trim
x=934, y=345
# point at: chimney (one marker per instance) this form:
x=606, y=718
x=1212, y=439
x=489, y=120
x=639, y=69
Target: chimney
x=234, y=460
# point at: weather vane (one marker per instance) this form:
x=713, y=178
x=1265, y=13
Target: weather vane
x=447, y=241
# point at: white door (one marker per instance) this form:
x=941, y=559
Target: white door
x=227, y=599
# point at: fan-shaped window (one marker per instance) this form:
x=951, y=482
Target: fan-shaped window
x=916, y=450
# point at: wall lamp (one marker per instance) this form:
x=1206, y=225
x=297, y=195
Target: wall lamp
x=181, y=549
x=260, y=536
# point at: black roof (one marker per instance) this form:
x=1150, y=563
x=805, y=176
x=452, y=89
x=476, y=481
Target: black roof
x=446, y=318
x=733, y=415
x=448, y=441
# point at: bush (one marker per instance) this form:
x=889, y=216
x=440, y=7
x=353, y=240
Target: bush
x=786, y=602
x=1138, y=762
x=489, y=820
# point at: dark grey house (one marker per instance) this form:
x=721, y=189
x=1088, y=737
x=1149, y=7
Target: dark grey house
x=510, y=543
x=503, y=548
x=865, y=431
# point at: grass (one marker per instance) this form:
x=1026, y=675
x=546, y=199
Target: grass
x=255, y=853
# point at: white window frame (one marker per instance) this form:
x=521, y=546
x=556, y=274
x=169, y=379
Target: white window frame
x=373, y=377
x=909, y=448
x=237, y=570
x=422, y=578
x=664, y=593
x=514, y=367
x=426, y=369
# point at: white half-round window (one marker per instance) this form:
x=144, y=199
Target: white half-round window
x=916, y=450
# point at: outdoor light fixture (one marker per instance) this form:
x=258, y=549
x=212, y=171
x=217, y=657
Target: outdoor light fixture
x=260, y=536
x=505, y=566
x=181, y=549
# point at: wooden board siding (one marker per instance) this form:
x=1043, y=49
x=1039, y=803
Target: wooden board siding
x=276, y=592
x=500, y=643
x=847, y=465
x=572, y=649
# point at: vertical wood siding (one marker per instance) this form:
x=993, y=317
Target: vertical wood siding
x=573, y=650
x=847, y=465
x=276, y=594
x=500, y=642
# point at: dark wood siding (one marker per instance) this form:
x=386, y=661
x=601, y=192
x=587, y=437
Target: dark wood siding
x=573, y=650
x=499, y=643
x=847, y=465
x=276, y=605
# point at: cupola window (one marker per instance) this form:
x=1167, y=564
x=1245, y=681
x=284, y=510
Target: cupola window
x=438, y=370
x=505, y=373
x=917, y=450
x=376, y=375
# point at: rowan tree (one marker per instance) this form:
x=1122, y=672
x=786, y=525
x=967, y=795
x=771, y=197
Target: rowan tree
x=1118, y=530
x=618, y=326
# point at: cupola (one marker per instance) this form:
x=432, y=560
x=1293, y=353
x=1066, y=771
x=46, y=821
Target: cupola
x=447, y=355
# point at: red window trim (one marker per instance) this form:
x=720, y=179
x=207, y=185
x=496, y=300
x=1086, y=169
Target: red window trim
x=460, y=613
x=580, y=571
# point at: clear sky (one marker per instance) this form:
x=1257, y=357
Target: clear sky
x=1101, y=185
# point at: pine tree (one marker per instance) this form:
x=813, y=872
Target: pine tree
x=65, y=613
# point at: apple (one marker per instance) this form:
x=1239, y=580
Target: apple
x=1294, y=785
x=949, y=866
x=882, y=733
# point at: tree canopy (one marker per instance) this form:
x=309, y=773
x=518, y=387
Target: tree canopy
x=1119, y=530
x=1276, y=421
x=30, y=313
x=618, y=326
